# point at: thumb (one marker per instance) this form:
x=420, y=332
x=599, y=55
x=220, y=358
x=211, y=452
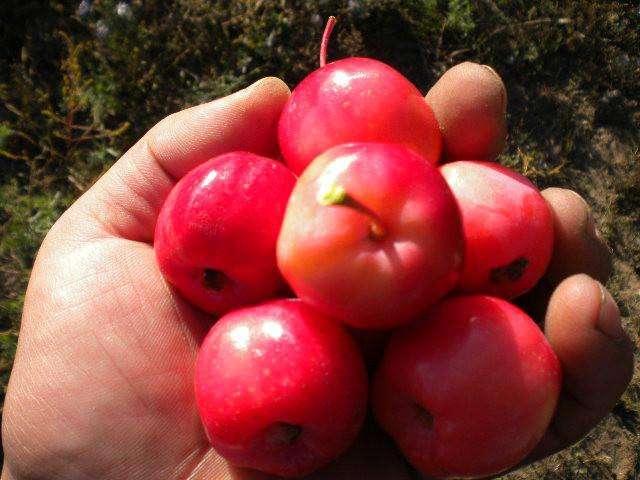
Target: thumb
x=125, y=202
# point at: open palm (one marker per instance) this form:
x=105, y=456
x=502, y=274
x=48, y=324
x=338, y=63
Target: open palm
x=102, y=382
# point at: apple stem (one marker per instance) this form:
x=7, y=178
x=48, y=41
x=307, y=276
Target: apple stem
x=376, y=230
x=331, y=21
x=337, y=195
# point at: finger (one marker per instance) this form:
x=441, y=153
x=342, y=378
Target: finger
x=578, y=248
x=246, y=120
x=578, y=245
x=584, y=328
x=470, y=102
x=126, y=200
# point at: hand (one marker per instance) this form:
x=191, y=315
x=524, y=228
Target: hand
x=102, y=380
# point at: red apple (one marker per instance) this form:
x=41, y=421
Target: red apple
x=355, y=100
x=280, y=388
x=468, y=390
x=371, y=235
x=508, y=228
x=216, y=234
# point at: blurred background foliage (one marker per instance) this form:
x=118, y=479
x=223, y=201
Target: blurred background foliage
x=81, y=81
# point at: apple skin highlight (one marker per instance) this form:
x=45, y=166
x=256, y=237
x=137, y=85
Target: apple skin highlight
x=508, y=228
x=280, y=388
x=215, y=237
x=469, y=389
x=355, y=100
x=372, y=235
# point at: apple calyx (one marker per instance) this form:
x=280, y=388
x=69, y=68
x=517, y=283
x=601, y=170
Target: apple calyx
x=331, y=21
x=214, y=279
x=424, y=417
x=335, y=194
x=282, y=434
x=510, y=272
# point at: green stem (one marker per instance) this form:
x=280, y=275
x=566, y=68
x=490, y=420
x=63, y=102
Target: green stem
x=337, y=195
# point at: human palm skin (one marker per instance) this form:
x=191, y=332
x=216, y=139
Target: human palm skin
x=102, y=380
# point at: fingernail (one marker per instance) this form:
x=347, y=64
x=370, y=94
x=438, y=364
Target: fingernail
x=609, y=318
x=597, y=234
x=255, y=84
x=590, y=227
x=593, y=231
x=492, y=71
x=275, y=82
x=579, y=197
x=503, y=90
x=248, y=90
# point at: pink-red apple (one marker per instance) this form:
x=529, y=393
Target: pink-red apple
x=371, y=235
x=468, y=390
x=355, y=100
x=280, y=388
x=508, y=228
x=216, y=234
